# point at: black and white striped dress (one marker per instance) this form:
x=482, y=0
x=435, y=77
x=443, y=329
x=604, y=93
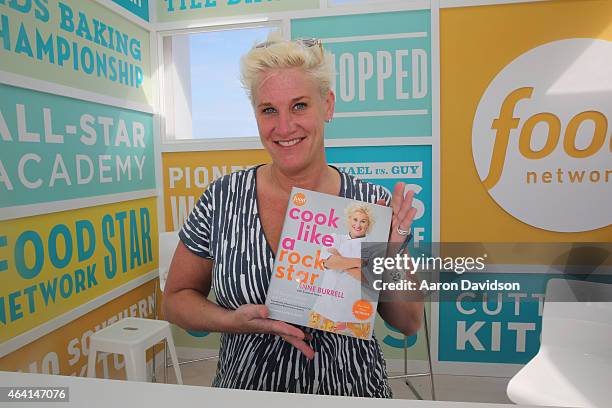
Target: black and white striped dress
x=225, y=226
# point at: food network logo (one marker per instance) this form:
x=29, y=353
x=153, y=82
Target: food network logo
x=541, y=136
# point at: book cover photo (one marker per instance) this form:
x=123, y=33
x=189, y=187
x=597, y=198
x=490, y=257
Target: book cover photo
x=317, y=280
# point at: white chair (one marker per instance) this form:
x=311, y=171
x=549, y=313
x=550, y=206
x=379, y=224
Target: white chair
x=132, y=337
x=167, y=245
x=574, y=364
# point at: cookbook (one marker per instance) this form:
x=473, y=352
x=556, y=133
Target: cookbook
x=319, y=279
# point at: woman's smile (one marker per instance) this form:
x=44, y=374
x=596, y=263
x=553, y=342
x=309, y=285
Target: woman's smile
x=289, y=143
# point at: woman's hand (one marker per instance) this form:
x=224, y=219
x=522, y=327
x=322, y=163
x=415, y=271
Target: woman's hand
x=402, y=310
x=403, y=212
x=252, y=318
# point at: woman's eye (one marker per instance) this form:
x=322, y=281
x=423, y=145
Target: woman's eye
x=268, y=110
x=300, y=106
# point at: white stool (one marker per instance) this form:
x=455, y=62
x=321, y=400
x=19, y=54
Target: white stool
x=132, y=337
x=573, y=367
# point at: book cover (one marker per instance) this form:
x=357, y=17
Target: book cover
x=317, y=280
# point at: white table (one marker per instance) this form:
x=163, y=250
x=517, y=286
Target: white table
x=95, y=392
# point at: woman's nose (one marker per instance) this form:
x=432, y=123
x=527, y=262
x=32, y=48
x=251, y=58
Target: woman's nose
x=285, y=124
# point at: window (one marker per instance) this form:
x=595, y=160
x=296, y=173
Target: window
x=203, y=97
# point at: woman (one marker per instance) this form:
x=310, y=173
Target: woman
x=232, y=234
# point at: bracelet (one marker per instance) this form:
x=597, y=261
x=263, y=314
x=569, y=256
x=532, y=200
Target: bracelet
x=405, y=243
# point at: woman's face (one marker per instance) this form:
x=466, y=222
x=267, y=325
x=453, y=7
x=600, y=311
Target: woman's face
x=358, y=224
x=290, y=114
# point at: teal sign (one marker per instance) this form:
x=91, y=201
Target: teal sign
x=176, y=10
x=56, y=148
x=388, y=165
x=499, y=326
x=383, y=72
x=139, y=8
x=504, y=327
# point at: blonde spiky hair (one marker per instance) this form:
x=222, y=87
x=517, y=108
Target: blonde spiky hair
x=277, y=52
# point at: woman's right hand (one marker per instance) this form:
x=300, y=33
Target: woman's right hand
x=251, y=318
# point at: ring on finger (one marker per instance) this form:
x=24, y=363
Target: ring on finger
x=402, y=232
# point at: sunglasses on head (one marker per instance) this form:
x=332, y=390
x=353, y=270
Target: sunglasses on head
x=304, y=42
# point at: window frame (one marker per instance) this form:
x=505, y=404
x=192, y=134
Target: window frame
x=171, y=144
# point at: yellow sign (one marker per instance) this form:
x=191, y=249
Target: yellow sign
x=524, y=111
x=188, y=174
x=65, y=350
x=51, y=264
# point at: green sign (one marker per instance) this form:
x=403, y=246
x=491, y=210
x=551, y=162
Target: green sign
x=79, y=44
x=383, y=72
x=177, y=10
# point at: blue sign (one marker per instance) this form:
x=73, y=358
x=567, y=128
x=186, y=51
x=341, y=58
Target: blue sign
x=494, y=327
x=139, y=8
x=55, y=148
x=383, y=72
x=388, y=165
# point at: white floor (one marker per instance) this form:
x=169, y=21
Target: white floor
x=448, y=387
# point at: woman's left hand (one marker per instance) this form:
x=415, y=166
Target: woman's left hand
x=403, y=309
x=403, y=211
